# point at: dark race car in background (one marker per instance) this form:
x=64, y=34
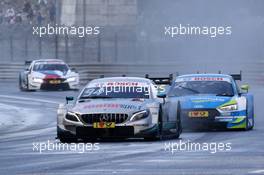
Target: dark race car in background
x=48, y=74
x=211, y=101
x=163, y=84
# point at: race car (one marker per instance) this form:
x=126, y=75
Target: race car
x=48, y=74
x=211, y=101
x=119, y=107
x=162, y=83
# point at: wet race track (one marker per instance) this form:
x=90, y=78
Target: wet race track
x=28, y=118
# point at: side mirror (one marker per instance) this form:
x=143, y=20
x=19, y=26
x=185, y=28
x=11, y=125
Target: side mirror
x=69, y=99
x=161, y=95
x=245, y=87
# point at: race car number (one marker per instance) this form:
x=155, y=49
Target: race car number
x=198, y=114
x=54, y=81
x=104, y=125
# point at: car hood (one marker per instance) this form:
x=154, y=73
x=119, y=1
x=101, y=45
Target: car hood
x=203, y=101
x=128, y=106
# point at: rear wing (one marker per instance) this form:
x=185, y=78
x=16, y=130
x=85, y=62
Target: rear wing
x=161, y=80
x=28, y=62
x=237, y=77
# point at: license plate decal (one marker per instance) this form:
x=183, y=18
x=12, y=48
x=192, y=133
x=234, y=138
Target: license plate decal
x=104, y=125
x=54, y=81
x=198, y=114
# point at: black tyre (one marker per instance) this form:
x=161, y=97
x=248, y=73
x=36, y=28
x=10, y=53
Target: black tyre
x=253, y=119
x=178, y=121
x=64, y=137
x=20, y=83
x=248, y=126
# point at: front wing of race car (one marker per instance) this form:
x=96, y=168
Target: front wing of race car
x=79, y=126
x=148, y=128
x=52, y=83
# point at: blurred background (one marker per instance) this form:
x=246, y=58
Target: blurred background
x=132, y=39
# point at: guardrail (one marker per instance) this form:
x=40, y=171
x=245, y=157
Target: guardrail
x=251, y=72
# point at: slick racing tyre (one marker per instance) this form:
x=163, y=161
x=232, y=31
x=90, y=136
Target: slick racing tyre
x=21, y=84
x=178, y=121
x=250, y=122
x=65, y=137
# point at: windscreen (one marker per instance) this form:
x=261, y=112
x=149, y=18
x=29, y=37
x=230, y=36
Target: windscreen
x=220, y=88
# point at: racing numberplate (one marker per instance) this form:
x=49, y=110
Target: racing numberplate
x=104, y=125
x=54, y=81
x=198, y=114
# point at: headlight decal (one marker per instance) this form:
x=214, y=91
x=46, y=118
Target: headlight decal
x=229, y=106
x=72, y=117
x=140, y=115
x=233, y=107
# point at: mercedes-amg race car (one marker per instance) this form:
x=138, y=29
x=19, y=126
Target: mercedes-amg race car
x=48, y=74
x=211, y=101
x=120, y=107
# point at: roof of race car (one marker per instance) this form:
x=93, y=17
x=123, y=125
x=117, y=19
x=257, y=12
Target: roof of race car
x=121, y=79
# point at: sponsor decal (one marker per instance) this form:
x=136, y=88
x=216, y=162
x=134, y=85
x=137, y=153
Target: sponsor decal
x=122, y=84
x=208, y=79
x=113, y=106
x=207, y=100
x=104, y=125
x=119, y=84
x=203, y=79
x=198, y=114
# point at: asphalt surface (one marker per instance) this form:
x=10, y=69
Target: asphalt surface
x=28, y=119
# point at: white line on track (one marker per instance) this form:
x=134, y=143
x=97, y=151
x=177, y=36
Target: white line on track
x=257, y=172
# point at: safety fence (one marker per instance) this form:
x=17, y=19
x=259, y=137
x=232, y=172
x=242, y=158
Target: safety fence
x=18, y=43
x=252, y=73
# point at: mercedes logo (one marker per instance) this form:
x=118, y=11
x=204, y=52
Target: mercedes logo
x=104, y=118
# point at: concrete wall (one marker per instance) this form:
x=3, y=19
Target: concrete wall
x=106, y=12
x=117, y=20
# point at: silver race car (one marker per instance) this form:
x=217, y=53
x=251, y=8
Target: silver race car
x=48, y=74
x=120, y=107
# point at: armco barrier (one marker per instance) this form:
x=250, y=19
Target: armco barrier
x=252, y=72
